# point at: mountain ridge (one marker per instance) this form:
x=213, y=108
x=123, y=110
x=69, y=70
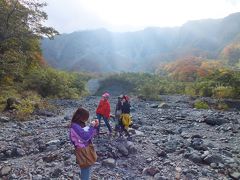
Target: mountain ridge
x=105, y=51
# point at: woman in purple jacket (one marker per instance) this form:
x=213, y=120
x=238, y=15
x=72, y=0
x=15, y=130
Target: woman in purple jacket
x=81, y=136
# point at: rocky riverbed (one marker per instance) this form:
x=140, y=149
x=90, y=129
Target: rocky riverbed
x=170, y=140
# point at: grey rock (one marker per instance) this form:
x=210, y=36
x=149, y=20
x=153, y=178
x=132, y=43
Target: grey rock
x=235, y=175
x=213, y=158
x=45, y=113
x=54, y=142
x=158, y=176
x=56, y=173
x=13, y=176
x=162, y=153
x=171, y=146
x=198, y=144
x=110, y=162
x=20, y=152
x=50, y=157
x=163, y=106
x=150, y=171
x=12, y=103
x=227, y=153
x=52, y=148
x=185, y=135
x=16, y=152
x=194, y=157
x=215, y=121
x=148, y=160
x=196, y=136
x=154, y=106
x=190, y=172
x=68, y=117
x=4, y=119
x=138, y=133
x=131, y=148
x=213, y=165
x=37, y=177
x=122, y=149
x=5, y=170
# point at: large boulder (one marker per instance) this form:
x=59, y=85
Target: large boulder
x=4, y=119
x=122, y=149
x=194, y=157
x=5, y=170
x=163, y=106
x=131, y=147
x=235, y=175
x=213, y=158
x=215, y=121
x=11, y=103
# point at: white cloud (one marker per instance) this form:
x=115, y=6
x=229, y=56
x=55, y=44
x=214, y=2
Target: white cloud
x=72, y=15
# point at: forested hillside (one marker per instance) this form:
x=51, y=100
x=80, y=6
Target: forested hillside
x=104, y=51
x=24, y=75
x=199, y=58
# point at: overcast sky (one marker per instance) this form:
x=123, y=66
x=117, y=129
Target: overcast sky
x=128, y=15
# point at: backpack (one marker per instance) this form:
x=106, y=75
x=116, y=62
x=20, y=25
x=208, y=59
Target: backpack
x=85, y=156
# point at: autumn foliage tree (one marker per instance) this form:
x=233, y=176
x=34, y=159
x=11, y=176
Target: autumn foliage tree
x=20, y=31
x=231, y=54
x=190, y=68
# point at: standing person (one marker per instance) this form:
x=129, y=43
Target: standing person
x=81, y=137
x=126, y=118
x=103, y=111
x=118, y=113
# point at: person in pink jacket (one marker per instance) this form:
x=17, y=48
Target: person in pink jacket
x=81, y=137
x=103, y=111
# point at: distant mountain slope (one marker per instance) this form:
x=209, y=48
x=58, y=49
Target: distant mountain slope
x=104, y=51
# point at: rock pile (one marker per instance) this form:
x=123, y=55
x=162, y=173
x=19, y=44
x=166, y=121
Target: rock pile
x=170, y=140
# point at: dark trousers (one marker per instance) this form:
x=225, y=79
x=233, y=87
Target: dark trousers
x=99, y=117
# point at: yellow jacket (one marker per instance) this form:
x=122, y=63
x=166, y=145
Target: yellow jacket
x=126, y=120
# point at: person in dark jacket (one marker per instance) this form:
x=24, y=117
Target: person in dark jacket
x=118, y=113
x=125, y=116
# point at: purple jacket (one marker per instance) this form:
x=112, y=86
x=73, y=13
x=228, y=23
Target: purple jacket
x=81, y=137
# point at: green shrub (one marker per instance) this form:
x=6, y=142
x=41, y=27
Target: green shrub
x=189, y=90
x=150, y=92
x=201, y=105
x=224, y=92
x=53, y=83
x=222, y=106
x=5, y=93
x=28, y=103
x=206, y=91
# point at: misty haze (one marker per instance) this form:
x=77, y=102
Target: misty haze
x=120, y=89
x=104, y=51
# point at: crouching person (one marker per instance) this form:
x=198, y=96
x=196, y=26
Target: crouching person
x=81, y=137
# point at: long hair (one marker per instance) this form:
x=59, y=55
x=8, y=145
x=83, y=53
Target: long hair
x=80, y=116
